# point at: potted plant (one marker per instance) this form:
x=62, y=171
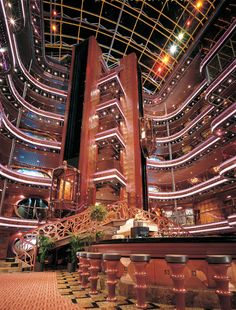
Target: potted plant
x=45, y=244
x=98, y=212
x=75, y=246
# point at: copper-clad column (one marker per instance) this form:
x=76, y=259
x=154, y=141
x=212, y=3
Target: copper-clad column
x=130, y=105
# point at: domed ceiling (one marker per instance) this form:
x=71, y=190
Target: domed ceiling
x=159, y=32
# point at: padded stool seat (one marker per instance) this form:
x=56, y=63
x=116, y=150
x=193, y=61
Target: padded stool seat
x=219, y=259
x=94, y=255
x=140, y=258
x=83, y=254
x=111, y=256
x=176, y=259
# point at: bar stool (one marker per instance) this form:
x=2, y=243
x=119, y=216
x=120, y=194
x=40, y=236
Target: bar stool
x=112, y=261
x=95, y=260
x=140, y=262
x=80, y=267
x=85, y=267
x=220, y=265
x=177, y=264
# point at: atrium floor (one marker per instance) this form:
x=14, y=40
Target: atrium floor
x=56, y=291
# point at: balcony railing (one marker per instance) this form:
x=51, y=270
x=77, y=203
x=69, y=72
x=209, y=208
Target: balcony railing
x=22, y=178
x=215, y=49
x=109, y=164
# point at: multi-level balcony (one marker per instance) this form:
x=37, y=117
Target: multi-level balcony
x=32, y=108
x=110, y=139
x=192, y=169
x=110, y=87
x=16, y=57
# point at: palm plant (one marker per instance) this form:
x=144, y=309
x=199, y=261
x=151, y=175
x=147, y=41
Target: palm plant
x=75, y=246
x=45, y=244
x=98, y=214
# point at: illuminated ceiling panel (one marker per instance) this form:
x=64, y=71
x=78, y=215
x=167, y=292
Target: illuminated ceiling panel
x=159, y=32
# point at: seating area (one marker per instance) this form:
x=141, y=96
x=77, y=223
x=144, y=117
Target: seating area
x=92, y=267
x=115, y=281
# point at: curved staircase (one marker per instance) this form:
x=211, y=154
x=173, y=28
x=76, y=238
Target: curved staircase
x=25, y=244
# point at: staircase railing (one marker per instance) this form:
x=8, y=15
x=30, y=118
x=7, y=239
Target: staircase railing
x=25, y=244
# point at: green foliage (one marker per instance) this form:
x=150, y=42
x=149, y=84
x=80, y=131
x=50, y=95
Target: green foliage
x=76, y=245
x=45, y=244
x=98, y=212
x=93, y=236
x=99, y=235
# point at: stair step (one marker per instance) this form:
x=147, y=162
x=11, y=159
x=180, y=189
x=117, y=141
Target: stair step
x=10, y=259
x=8, y=264
x=116, y=223
x=9, y=269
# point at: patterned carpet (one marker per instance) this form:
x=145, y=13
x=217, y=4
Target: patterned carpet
x=68, y=287
x=32, y=291
x=57, y=291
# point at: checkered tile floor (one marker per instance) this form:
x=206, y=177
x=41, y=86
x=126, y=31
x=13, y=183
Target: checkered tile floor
x=69, y=287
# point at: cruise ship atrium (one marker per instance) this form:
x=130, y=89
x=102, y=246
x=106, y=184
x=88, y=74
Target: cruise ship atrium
x=117, y=157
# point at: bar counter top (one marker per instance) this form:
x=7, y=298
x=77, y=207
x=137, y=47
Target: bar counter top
x=194, y=247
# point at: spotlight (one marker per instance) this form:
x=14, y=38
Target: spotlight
x=165, y=59
x=180, y=36
x=199, y=4
x=12, y=21
x=173, y=49
x=3, y=50
x=54, y=28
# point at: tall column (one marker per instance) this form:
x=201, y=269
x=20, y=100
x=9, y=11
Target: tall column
x=130, y=104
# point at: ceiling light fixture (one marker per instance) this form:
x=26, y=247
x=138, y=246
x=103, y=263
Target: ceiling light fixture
x=180, y=36
x=12, y=21
x=173, y=49
x=165, y=59
x=199, y=5
x=54, y=28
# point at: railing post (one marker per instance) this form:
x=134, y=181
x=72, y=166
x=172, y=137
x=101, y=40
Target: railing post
x=220, y=265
